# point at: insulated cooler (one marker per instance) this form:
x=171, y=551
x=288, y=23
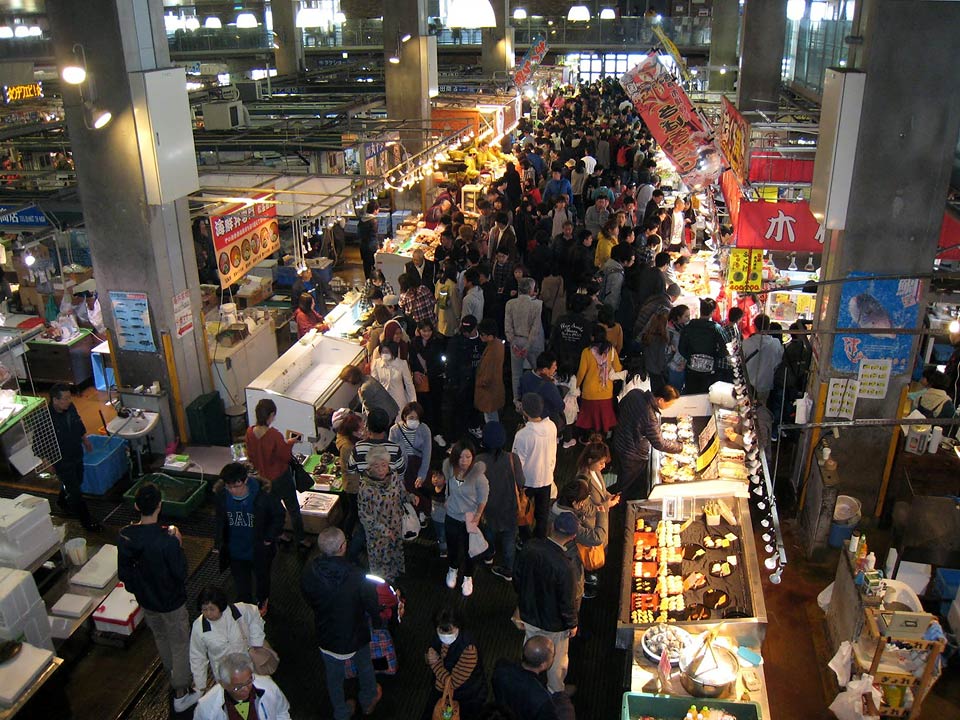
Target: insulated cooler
x=120, y=613
x=26, y=531
x=23, y=616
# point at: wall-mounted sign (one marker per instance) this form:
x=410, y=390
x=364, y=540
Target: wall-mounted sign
x=26, y=217
x=131, y=310
x=244, y=237
x=784, y=226
x=27, y=91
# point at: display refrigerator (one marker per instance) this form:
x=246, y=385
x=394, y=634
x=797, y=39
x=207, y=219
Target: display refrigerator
x=303, y=380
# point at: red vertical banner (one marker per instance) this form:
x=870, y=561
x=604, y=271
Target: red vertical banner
x=731, y=195
x=733, y=137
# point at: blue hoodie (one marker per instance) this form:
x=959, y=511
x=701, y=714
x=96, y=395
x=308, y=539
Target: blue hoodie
x=240, y=520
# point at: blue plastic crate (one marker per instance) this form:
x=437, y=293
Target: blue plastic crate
x=105, y=465
x=946, y=582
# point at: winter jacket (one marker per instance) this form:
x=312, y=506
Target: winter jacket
x=467, y=495
x=604, y=245
x=69, y=430
x=374, y=395
x=599, y=496
x=571, y=334
x=656, y=304
x=342, y=599
x=548, y=390
x=351, y=480
x=239, y=628
x=647, y=282
x=504, y=474
x=473, y=303
x=592, y=528
x=536, y=446
x=489, y=395
x=639, y=428
x=394, y=375
x=546, y=581
x=271, y=703
x=612, y=283
x=522, y=323
x=463, y=359
x=416, y=446
x=702, y=345
x=267, y=525
x=448, y=307
x=152, y=566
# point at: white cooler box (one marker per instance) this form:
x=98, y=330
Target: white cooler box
x=120, y=613
x=18, y=595
x=26, y=531
x=34, y=628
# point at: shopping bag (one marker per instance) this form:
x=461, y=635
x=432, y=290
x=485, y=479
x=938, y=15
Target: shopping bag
x=383, y=654
x=447, y=708
x=301, y=478
x=476, y=544
x=593, y=557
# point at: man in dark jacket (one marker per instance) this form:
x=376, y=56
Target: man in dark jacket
x=248, y=522
x=703, y=346
x=649, y=281
x=369, y=238
x=655, y=304
x=152, y=566
x=638, y=428
x=546, y=583
x=464, y=352
x=425, y=270
x=342, y=599
x=571, y=334
x=72, y=438
x=520, y=688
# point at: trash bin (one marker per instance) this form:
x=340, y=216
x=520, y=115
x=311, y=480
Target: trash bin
x=846, y=517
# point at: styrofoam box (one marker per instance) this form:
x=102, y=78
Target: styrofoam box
x=18, y=594
x=119, y=613
x=33, y=627
x=26, y=531
x=99, y=570
x=70, y=605
x=17, y=674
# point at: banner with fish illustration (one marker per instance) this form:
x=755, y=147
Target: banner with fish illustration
x=681, y=131
x=884, y=305
x=243, y=237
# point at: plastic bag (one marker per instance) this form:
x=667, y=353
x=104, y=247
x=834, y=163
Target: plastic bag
x=635, y=383
x=840, y=663
x=848, y=705
x=825, y=596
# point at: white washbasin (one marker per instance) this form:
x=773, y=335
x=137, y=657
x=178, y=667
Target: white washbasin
x=134, y=426
x=900, y=592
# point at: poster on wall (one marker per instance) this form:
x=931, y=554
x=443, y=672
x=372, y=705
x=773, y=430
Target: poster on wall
x=677, y=126
x=243, y=237
x=182, y=313
x=132, y=313
x=880, y=305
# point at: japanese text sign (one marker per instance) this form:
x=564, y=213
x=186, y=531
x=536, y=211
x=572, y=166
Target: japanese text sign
x=745, y=270
x=733, y=136
x=244, y=237
x=527, y=66
x=784, y=226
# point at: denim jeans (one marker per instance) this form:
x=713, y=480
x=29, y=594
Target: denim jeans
x=336, y=675
x=518, y=365
x=504, y=541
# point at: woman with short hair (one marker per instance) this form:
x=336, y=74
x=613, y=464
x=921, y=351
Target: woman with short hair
x=221, y=628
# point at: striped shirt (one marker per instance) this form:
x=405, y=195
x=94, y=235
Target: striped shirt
x=466, y=664
x=358, y=458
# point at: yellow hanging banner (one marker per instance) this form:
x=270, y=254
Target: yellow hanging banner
x=745, y=270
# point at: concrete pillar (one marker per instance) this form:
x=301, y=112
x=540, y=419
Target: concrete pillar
x=408, y=82
x=908, y=129
x=496, y=54
x=761, y=54
x=724, y=32
x=135, y=246
x=288, y=56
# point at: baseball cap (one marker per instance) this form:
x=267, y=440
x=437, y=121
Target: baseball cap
x=469, y=322
x=566, y=523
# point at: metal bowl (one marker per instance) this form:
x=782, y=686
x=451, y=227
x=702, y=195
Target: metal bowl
x=711, y=679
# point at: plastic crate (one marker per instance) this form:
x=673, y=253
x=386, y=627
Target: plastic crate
x=671, y=707
x=181, y=496
x=946, y=584
x=105, y=465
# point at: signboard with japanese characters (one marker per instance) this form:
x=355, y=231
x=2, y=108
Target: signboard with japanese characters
x=874, y=378
x=733, y=137
x=527, y=66
x=745, y=270
x=784, y=226
x=673, y=121
x=243, y=237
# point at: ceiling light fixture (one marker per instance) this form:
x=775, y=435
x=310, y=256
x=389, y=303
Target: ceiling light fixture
x=6, y=32
x=796, y=9
x=405, y=38
x=519, y=14
x=339, y=18
x=470, y=14
x=212, y=23
x=192, y=23
x=21, y=31
x=578, y=13
x=608, y=14
x=246, y=21
x=99, y=117
x=35, y=31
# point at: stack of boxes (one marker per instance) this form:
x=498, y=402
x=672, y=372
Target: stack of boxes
x=23, y=616
x=26, y=531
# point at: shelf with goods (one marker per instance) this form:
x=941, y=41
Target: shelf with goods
x=894, y=659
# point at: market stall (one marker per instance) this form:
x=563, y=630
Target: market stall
x=62, y=359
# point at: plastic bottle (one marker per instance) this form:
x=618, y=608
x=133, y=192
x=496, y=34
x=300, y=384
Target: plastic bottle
x=871, y=561
x=936, y=435
x=854, y=542
x=862, y=551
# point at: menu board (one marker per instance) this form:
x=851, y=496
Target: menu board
x=745, y=270
x=244, y=237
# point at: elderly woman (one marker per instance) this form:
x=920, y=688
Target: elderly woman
x=379, y=505
x=249, y=695
x=222, y=628
x=466, y=490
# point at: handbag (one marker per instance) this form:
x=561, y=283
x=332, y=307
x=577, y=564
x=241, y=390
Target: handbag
x=265, y=658
x=447, y=708
x=524, y=503
x=421, y=383
x=301, y=478
x=592, y=557
x=383, y=654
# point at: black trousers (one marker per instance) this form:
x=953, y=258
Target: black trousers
x=458, y=546
x=71, y=495
x=541, y=510
x=247, y=572
x=633, y=481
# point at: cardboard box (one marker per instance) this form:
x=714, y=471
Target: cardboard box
x=120, y=613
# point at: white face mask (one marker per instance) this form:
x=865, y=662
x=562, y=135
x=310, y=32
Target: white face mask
x=386, y=357
x=448, y=639
x=413, y=423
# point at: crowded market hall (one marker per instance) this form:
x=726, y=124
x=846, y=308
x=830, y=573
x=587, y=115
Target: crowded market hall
x=488, y=360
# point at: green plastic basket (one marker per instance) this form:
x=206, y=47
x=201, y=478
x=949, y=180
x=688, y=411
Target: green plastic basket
x=181, y=496
x=671, y=707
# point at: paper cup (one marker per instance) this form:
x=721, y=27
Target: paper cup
x=76, y=550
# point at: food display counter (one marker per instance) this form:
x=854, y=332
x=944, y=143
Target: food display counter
x=66, y=361
x=398, y=250
x=346, y=319
x=15, y=331
x=305, y=379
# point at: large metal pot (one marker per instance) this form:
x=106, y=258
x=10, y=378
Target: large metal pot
x=708, y=672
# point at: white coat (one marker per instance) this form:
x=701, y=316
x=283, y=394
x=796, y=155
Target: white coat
x=271, y=703
x=394, y=375
x=210, y=641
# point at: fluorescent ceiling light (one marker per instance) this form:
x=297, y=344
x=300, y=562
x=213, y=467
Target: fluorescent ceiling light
x=796, y=9
x=309, y=18
x=608, y=14
x=21, y=31
x=405, y=38
x=578, y=13
x=212, y=23
x=172, y=23
x=519, y=14
x=6, y=32
x=246, y=20
x=35, y=31
x=471, y=14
